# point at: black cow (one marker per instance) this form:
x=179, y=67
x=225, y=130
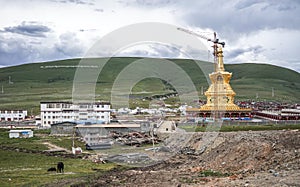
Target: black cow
x=51, y=169
x=60, y=167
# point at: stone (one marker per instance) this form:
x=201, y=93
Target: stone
x=276, y=174
x=271, y=171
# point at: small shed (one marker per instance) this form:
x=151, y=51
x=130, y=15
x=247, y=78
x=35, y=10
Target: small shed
x=25, y=133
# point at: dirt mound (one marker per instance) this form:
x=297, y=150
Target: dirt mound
x=253, y=151
x=264, y=158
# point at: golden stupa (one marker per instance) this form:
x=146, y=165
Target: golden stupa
x=220, y=95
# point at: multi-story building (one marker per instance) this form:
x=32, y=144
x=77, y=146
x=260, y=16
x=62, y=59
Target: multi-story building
x=57, y=112
x=13, y=115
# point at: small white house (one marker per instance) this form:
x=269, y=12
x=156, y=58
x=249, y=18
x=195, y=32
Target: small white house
x=25, y=133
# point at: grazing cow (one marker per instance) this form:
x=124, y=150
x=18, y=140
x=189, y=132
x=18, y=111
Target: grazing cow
x=51, y=169
x=60, y=167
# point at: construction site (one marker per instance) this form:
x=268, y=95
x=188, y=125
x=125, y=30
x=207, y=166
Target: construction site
x=257, y=158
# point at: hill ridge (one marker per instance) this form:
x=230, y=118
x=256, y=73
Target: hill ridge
x=31, y=83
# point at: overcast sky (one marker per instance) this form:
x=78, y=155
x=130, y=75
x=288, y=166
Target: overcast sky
x=255, y=31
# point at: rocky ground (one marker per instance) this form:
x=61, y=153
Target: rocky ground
x=248, y=158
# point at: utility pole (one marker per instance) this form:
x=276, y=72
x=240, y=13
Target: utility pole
x=273, y=92
x=2, y=91
x=9, y=80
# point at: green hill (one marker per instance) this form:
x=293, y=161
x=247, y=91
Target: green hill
x=35, y=82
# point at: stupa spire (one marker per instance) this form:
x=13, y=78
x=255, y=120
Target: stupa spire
x=220, y=65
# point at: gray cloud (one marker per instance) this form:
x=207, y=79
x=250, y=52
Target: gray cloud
x=99, y=10
x=13, y=51
x=240, y=51
x=242, y=23
x=231, y=18
x=29, y=29
x=80, y=2
x=18, y=50
x=154, y=51
x=167, y=51
x=246, y=4
x=148, y=3
x=243, y=17
x=69, y=45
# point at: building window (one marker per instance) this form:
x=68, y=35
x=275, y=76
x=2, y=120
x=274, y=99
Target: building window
x=50, y=106
x=83, y=106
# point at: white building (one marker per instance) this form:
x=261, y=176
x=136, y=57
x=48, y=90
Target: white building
x=57, y=112
x=25, y=133
x=13, y=115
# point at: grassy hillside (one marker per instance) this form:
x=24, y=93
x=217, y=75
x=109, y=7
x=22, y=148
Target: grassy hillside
x=33, y=83
x=249, y=79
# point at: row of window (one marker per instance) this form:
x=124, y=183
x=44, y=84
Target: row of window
x=10, y=111
x=68, y=117
x=83, y=119
x=70, y=112
x=10, y=119
x=56, y=105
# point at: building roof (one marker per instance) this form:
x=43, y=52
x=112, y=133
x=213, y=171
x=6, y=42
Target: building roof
x=83, y=103
x=23, y=130
x=13, y=110
x=65, y=102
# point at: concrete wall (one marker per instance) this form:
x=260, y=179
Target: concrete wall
x=65, y=128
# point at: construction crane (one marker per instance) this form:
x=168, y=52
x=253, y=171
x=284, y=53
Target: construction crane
x=217, y=114
x=215, y=41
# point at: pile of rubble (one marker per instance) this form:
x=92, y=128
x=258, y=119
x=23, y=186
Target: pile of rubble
x=264, y=158
x=188, y=151
x=248, y=158
x=133, y=138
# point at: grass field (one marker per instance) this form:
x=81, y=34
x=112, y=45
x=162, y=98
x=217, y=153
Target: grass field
x=24, y=164
x=33, y=83
x=25, y=169
x=19, y=168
